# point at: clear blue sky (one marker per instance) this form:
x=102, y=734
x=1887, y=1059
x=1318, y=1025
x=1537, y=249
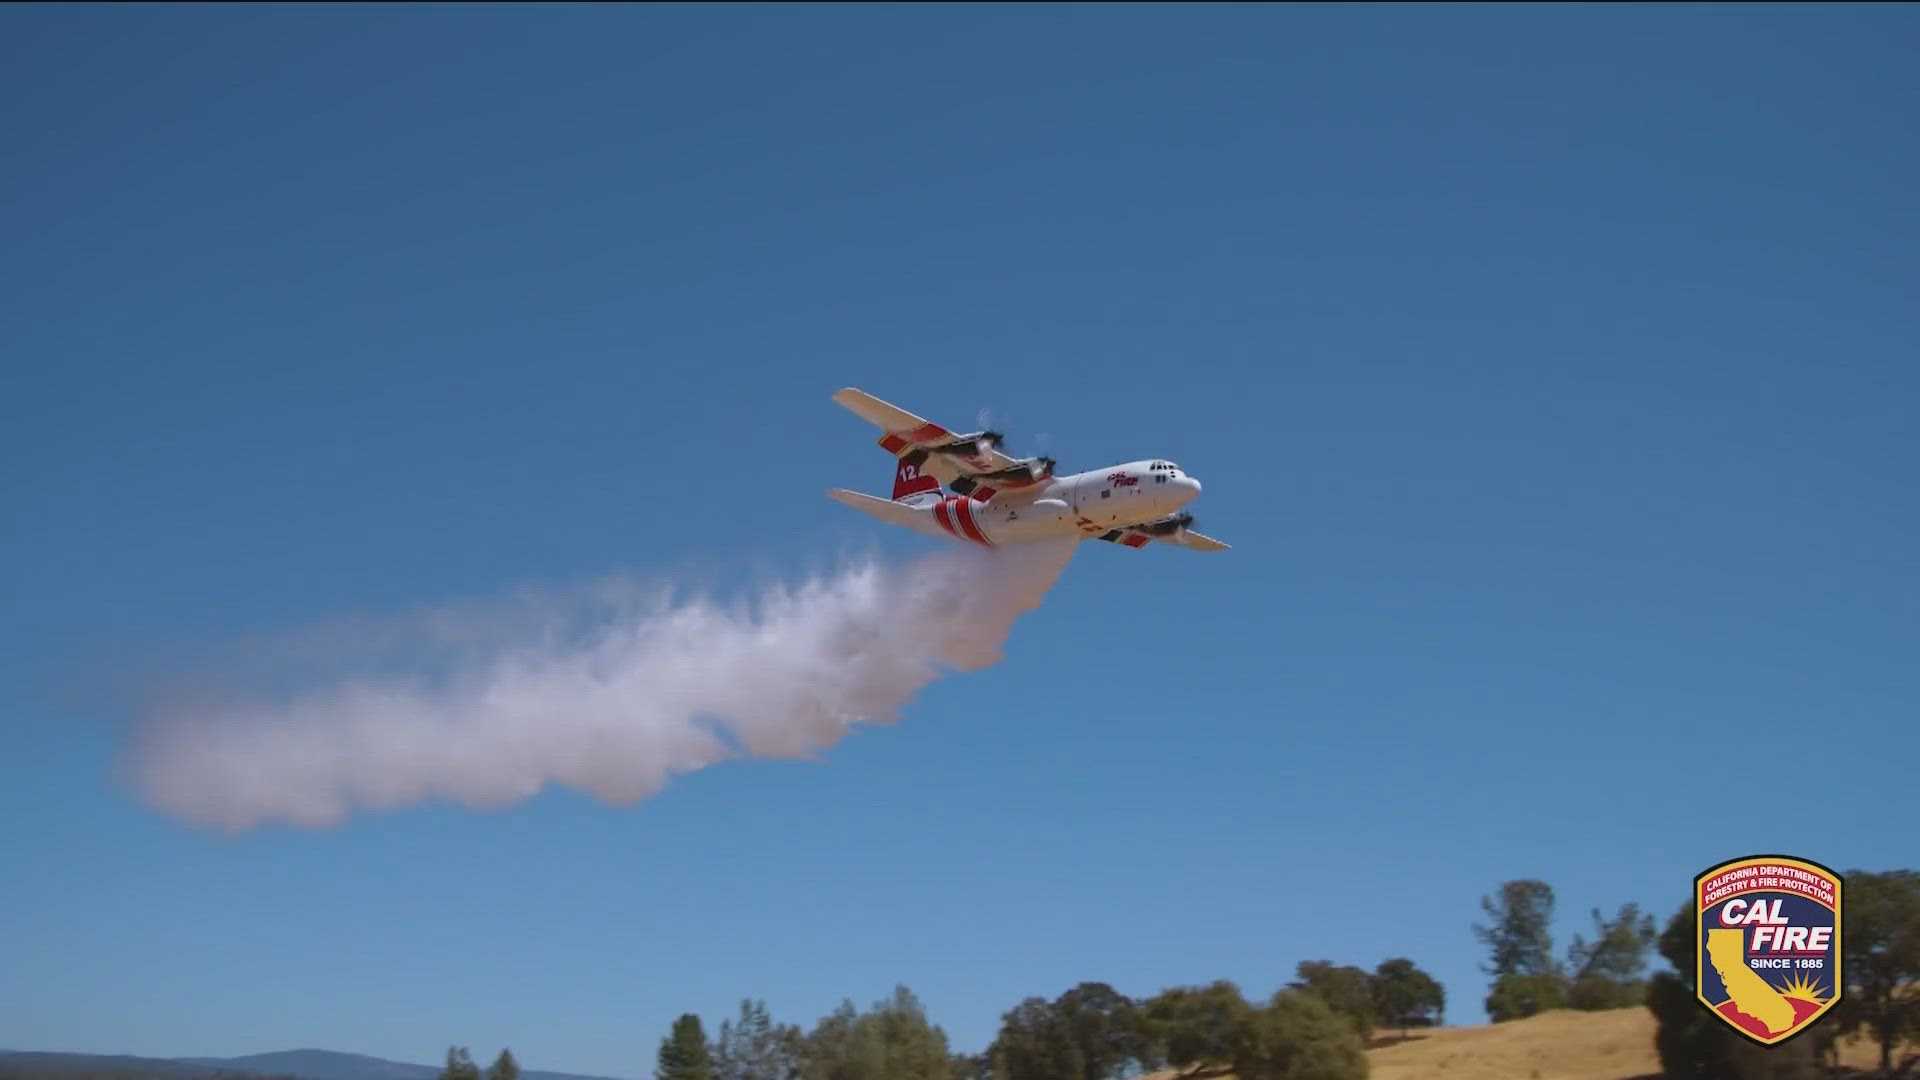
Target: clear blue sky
x=1552, y=372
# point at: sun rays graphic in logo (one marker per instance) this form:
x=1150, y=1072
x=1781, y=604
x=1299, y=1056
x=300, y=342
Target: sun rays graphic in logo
x=1801, y=988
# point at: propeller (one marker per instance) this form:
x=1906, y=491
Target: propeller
x=996, y=436
x=988, y=437
x=1043, y=443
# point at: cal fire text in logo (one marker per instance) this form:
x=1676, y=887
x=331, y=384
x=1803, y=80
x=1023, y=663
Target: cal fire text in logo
x=1773, y=935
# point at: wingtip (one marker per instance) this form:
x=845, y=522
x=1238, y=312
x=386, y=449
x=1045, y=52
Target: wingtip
x=1202, y=542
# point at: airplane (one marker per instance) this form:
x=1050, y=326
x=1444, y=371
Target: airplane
x=998, y=500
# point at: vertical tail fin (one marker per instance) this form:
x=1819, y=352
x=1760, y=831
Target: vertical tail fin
x=908, y=479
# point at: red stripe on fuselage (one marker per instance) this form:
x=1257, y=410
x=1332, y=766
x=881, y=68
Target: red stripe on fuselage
x=963, y=509
x=941, y=515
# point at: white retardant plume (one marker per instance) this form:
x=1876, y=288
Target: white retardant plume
x=611, y=692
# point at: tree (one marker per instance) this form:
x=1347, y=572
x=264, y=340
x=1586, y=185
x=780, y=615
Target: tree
x=831, y=1051
x=1192, y=1026
x=1516, y=997
x=683, y=1054
x=1036, y=1042
x=1880, y=955
x=1518, y=939
x=891, y=1041
x=1606, y=971
x=914, y=1048
x=1091, y=1032
x=1403, y=995
x=459, y=1065
x=1100, y=1023
x=504, y=1067
x=751, y=1047
x=1298, y=1036
x=1692, y=1043
x=1526, y=978
x=1348, y=991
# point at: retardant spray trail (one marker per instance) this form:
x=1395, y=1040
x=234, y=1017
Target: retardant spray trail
x=611, y=693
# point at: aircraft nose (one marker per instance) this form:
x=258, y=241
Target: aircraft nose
x=1189, y=488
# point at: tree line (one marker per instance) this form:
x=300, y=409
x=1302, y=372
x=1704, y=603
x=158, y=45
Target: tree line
x=1318, y=1026
x=1315, y=1028
x=1602, y=972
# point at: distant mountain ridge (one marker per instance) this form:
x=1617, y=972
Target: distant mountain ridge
x=303, y=1064
x=335, y=1065
x=35, y=1063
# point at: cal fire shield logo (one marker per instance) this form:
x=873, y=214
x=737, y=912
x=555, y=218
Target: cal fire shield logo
x=1768, y=952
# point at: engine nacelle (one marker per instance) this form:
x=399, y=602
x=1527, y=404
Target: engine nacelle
x=1027, y=471
x=970, y=446
x=1166, y=526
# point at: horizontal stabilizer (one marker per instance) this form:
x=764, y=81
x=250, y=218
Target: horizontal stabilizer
x=892, y=513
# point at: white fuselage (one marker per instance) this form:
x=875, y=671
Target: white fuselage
x=1083, y=504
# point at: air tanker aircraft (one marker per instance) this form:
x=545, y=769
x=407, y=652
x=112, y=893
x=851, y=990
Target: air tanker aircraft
x=998, y=500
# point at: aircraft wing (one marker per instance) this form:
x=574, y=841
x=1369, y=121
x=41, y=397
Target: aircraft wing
x=892, y=513
x=1196, y=541
x=888, y=418
x=1139, y=537
x=968, y=464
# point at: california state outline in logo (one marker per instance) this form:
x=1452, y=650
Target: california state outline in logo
x=1767, y=958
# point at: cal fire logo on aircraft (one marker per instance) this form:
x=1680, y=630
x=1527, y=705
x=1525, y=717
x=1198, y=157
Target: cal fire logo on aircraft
x=1768, y=952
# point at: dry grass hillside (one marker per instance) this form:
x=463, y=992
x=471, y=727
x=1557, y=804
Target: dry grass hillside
x=1560, y=1045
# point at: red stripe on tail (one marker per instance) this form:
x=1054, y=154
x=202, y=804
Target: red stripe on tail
x=941, y=515
x=963, y=510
